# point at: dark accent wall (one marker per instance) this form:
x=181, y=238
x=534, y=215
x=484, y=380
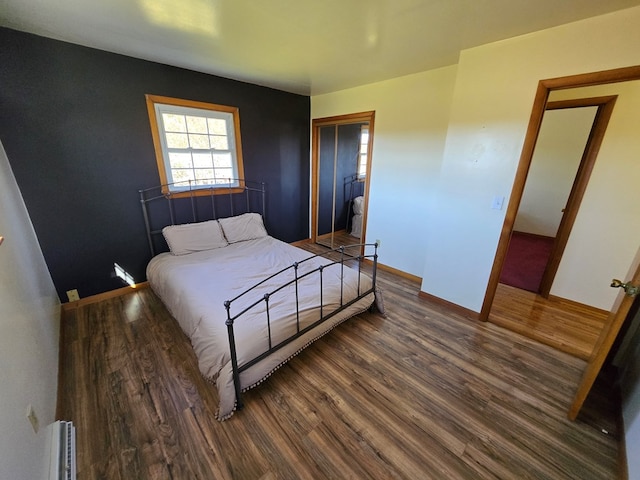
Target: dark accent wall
x=74, y=124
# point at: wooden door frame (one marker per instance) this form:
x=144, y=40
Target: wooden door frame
x=600, y=122
x=316, y=124
x=533, y=129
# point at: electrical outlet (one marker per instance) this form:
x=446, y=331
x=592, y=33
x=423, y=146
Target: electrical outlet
x=73, y=295
x=33, y=418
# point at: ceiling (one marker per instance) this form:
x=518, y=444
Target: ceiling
x=308, y=47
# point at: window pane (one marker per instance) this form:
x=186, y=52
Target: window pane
x=224, y=174
x=196, y=144
x=197, y=124
x=202, y=160
x=200, y=142
x=180, y=160
x=174, y=123
x=181, y=175
x=222, y=160
x=177, y=140
x=219, y=142
x=217, y=126
x=204, y=174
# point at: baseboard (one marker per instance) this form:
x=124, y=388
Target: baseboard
x=299, y=243
x=460, y=310
x=534, y=235
x=395, y=271
x=102, y=296
x=589, y=308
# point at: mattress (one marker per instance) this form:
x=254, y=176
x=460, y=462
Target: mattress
x=194, y=288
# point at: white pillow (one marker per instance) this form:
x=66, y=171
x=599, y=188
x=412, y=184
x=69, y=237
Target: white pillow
x=194, y=237
x=358, y=205
x=243, y=227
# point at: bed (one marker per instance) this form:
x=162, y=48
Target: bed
x=247, y=301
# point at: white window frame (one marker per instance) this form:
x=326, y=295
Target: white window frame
x=363, y=152
x=157, y=105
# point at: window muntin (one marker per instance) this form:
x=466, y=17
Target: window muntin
x=197, y=144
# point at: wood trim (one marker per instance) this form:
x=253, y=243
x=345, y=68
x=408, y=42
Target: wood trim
x=299, y=243
x=344, y=119
x=602, y=77
x=587, y=162
x=367, y=183
x=595, y=310
x=316, y=124
x=579, y=102
x=61, y=349
x=395, y=271
x=102, y=296
x=157, y=145
x=460, y=310
x=533, y=129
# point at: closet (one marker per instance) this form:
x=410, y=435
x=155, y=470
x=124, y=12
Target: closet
x=341, y=157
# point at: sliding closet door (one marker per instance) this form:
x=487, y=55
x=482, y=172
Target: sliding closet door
x=326, y=182
x=348, y=185
x=341, y=158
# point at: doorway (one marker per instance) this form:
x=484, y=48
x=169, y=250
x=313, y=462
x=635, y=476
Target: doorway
x=341, y=165
x=545, y=87
x=565, y=153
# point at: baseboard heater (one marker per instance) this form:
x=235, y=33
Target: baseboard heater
x=61, y=442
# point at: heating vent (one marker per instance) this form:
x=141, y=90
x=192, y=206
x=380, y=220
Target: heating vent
x=62, y=451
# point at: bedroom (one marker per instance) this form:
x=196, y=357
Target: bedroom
x=56, y=73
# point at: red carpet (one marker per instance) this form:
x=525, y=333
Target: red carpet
x=526, y=260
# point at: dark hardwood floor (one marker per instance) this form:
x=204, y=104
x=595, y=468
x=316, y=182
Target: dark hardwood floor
x=420, y=393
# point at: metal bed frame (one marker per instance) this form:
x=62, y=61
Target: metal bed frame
x=193, y=192
x=192, y=196
x=350, y=183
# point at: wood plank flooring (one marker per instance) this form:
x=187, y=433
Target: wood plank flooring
x=420, y=393
x=341, y=237
x=566, y=326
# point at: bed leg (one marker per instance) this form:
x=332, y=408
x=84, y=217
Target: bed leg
x=234, y=358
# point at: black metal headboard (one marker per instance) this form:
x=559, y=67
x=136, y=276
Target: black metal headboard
x=194, y=203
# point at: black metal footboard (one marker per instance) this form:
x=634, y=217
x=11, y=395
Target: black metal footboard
x=324, y=315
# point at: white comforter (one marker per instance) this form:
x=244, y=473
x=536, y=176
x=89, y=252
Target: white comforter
x=194, y=288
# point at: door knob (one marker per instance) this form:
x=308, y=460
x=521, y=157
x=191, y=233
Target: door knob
x=628, y=288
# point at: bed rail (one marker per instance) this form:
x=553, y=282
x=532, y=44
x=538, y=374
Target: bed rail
x=190, y=202
x=324, y=315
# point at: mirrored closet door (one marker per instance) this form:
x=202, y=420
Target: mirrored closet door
x=341, y=167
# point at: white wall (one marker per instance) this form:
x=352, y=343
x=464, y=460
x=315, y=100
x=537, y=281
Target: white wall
x=492, y=100
x=412, y=113
x=559, y=148
x=29, y=326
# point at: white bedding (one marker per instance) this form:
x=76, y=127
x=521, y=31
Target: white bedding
x=194, y=288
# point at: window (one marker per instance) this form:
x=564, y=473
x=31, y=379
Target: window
x=197, y=144
x=364, y=146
